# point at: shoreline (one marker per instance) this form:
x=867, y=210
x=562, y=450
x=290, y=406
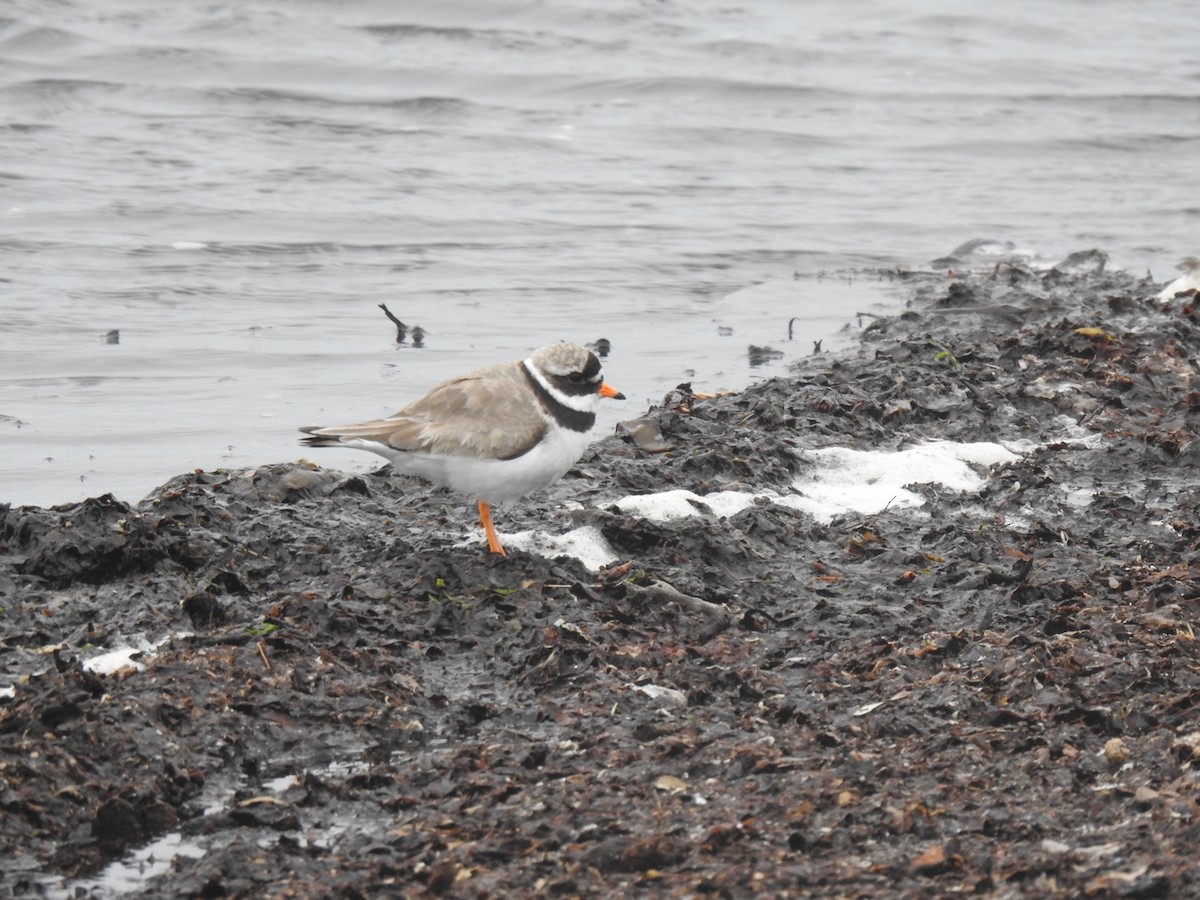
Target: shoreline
x=992, y=692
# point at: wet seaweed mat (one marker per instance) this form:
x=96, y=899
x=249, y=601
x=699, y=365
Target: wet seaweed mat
x=993, y=693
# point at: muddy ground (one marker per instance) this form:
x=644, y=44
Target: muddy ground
x=995, y=695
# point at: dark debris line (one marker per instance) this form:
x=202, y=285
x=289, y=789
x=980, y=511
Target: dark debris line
x=997, y=695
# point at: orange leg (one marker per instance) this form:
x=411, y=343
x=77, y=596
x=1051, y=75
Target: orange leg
x=485, y=519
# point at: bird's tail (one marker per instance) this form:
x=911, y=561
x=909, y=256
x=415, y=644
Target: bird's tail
x=318, y=440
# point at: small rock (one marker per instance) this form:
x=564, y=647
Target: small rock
x=117, y=823
x=1116, y=752
x=1145, y=795
x=671, y=784
x=627, y=853
x=664, y=695
x=933, y=858
x=646, y=434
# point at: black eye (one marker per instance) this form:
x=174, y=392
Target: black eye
x=576, y=378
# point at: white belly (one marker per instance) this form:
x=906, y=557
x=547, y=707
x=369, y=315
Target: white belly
x=492, y=480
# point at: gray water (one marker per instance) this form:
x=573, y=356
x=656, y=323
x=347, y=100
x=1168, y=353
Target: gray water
x=235, y=187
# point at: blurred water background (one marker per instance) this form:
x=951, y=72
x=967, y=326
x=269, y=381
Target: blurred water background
x=233, y=187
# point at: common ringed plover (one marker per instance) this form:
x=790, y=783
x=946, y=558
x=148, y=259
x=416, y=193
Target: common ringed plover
x=496, y=434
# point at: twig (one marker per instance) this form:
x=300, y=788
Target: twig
x=401, y=328
x=660, y=590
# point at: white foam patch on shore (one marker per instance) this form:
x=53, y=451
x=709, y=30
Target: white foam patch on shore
x=867, y=481
x=586, y=544
x=844, y=481
x=840, y=481
x=668, y=505
x=123, y=657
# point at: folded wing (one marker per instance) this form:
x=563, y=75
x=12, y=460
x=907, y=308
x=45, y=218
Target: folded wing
x=486, y=413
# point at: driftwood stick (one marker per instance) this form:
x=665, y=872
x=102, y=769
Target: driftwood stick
x=663, y=592
x=401, y=328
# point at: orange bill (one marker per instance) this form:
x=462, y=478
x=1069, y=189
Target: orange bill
x=607, y=390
